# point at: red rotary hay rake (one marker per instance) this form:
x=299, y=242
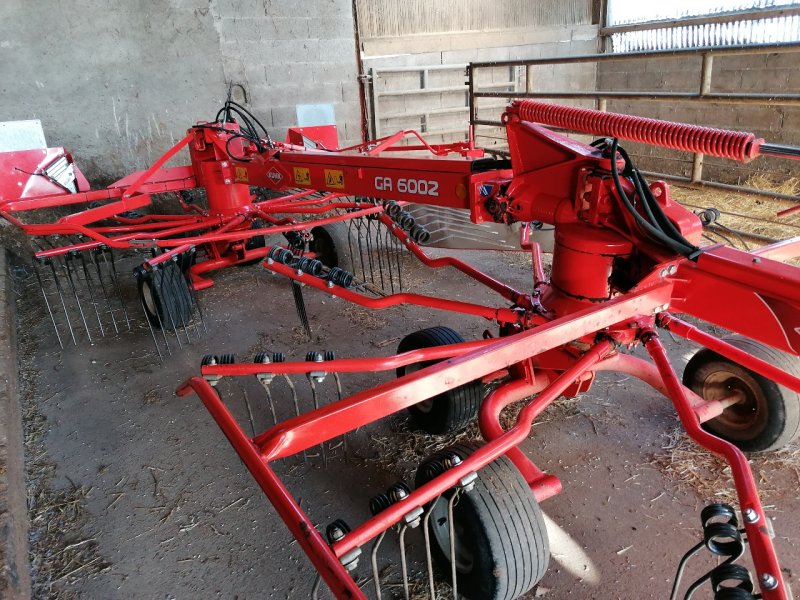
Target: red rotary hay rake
x=625, y=254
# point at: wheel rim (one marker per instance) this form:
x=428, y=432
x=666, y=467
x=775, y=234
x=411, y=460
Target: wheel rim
x=440, y=528
x=149, y=298
x=425, y=406
x=745, y=419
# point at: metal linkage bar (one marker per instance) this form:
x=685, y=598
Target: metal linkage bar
x=622, y=56
x=503, y=315
x=758, y=537
x=762, y=367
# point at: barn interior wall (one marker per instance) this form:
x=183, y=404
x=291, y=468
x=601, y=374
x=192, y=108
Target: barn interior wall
x=117, y=83
x=399, y=33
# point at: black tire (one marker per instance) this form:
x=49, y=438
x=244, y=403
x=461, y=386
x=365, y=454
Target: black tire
x=332, y=244
x=452, y=410
x=769, y=416
x=254, y=243
x=166, y=298
x=502, y=548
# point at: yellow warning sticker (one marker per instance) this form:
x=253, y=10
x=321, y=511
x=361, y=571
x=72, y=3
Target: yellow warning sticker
x=302, y=176
x=334, y=179
x=240, y=175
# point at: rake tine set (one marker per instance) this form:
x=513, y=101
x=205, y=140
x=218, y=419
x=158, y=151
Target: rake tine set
x=73, y=287
x=375, y=254
x=382, y=577
x=169, y=302
x=315, y=377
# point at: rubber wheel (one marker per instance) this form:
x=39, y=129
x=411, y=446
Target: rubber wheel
x=166, y=298
x=452, y=410
x=768, y=418
x=254, y=243
x=332, y=245
x=501, y=549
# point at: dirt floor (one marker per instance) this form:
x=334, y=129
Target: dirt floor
x=137, y=494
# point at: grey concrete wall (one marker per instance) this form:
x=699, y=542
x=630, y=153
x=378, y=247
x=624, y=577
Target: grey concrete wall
x=288, y=53
x=118, y=81
x=760, y=73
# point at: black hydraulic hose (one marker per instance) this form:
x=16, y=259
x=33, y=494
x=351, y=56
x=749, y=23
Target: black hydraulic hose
x=654, y=232
x=653, y=209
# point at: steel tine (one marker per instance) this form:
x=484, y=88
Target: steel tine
x=374, y=557
x=103, y=287
x=168, y=311
x=91, y=292
x=377, y=250
x=196, y=301
x=403, y=561
x=63, y=302
x=168, y=273
x=300, y=306
x=249, y=409
x=316, y=406
x=368, y=240
x=388, y=237
x=452, y=531
x=338, y=381
x=384, y=250
x=271, y=405
x=355, y=224
x=397, y=252
x=187, y=302
x=158, y=314
x=377, y=231
x=176, y=277
x=152, y=332
x=47, y=303
x=387, y=251
x=383, y=254
x=428, y=558
x=398, y=256
x=363, y=249
x=67, y=260
x=360, y=226
x=115, y=279
x=296, y=404
x=315, y=589
x=194, y=306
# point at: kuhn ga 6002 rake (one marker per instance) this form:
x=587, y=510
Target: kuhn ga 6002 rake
x=625, y=255
x=221, y=210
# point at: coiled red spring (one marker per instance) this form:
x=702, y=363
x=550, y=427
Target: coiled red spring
x=677, y=136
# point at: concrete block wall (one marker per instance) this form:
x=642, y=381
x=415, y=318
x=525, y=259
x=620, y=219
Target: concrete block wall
x=289, y=53
x=119, y=81
x=763, y=73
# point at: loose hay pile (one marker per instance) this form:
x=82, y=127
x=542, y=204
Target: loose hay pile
x=404, y=448
x=709, y=476
x=746, y=213
x=364, y=318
